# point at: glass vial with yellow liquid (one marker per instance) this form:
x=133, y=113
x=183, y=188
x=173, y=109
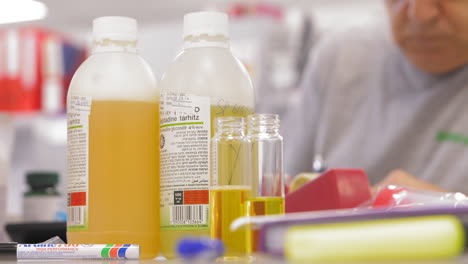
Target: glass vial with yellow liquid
x=113, y=143
x=267, y=170
x=204, y=81
x=230, y=184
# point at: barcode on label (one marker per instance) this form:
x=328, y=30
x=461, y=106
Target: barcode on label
x=188, y=214
x=75, y=215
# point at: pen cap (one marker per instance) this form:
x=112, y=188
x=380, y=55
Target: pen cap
x=200, y=248
x=8, y=251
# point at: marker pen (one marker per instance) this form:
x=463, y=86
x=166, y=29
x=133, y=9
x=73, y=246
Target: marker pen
x=68, y=251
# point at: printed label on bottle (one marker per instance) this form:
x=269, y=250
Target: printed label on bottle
x=78, y=111
x=43, y=208
x=185, y=161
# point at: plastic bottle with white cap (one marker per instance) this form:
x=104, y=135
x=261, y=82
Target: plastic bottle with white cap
x=113, y=153
x=204, y=81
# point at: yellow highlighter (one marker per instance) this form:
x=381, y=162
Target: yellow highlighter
x=412, y=238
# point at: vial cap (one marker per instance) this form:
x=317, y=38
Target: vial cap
x=209, y=23
x=41, y=179
x=115, y=28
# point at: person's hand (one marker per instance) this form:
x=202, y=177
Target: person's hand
x=400, y=177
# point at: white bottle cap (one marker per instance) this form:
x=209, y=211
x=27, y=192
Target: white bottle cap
x=115, y=28
x=209, y=23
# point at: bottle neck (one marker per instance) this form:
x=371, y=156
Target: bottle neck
x=42, y=190
x=112, y=45
x=231, y=127
x=204, y=41
x=263, y=125
x=230, y=132
x=42, y=187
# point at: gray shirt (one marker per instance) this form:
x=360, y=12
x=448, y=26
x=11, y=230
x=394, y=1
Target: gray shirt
x=364, y=105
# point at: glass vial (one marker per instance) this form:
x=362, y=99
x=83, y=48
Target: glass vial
x=230, y=183
x=267, y=170
x=42, y=203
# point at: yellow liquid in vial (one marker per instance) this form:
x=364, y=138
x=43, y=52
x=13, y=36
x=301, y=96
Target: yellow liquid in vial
x=170, y=237
x=226, y=205
x=123, y=176
x=261, y=206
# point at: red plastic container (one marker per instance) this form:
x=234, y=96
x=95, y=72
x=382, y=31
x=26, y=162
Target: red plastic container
x=334, y=189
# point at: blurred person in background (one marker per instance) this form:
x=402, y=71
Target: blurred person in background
x=392, y=100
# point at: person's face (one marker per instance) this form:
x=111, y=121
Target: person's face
x=433, y=34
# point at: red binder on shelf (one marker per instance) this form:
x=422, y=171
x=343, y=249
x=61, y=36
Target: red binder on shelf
x=29, y=58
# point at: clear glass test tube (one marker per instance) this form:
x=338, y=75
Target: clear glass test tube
x=267, y=196
x=230, y=183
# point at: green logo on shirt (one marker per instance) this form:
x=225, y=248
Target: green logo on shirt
x=444, y=136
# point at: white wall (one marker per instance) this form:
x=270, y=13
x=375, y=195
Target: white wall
x=343, y=13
